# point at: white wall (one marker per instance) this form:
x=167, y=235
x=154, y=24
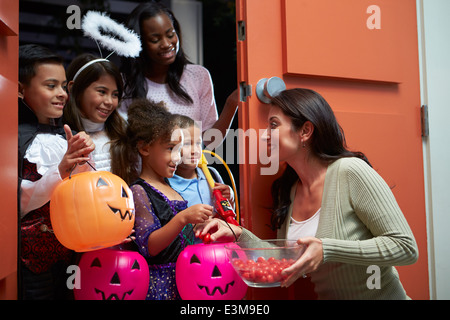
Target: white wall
x=434, y=47
x=189, y=15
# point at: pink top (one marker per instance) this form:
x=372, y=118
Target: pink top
x=197, y=82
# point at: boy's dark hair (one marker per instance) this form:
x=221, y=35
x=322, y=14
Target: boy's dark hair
x=30, y=55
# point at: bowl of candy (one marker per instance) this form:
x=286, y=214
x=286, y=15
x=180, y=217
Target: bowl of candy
x=260, y=262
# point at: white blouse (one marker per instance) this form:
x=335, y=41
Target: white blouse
x=46, y=151
x=197, y=82
x=100, y=157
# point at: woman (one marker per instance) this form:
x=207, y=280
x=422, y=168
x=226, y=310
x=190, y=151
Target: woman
x=162, y=72
x=332, y=201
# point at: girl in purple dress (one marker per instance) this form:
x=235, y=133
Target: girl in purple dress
x=163, y=221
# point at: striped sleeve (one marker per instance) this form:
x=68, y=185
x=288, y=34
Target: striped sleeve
x=377, y=214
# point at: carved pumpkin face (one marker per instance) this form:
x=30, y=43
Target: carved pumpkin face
x=92, y=210
x=111, y=274
x=204, y=272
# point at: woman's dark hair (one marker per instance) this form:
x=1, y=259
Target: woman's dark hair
x=115, y=125
x=134, y=69
x=31, y=55
x=148, y=122
x=327, y=141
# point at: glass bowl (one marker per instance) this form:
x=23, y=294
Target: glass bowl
x=260, y=262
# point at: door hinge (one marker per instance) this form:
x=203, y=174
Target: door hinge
x=245, y=90
x=424, y=120
x=241, y=30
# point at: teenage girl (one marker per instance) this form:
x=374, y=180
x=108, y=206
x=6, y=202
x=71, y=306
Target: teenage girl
x=162, y=71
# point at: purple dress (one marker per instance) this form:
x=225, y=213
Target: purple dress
x=153, y=211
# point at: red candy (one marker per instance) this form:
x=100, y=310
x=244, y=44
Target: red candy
x=205, y=238
x=262, y=270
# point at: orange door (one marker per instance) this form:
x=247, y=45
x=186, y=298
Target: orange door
x=363, y=58
x=9, y=43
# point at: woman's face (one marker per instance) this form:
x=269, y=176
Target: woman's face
x=282, y=140
x=159, y=39
x=100, y=99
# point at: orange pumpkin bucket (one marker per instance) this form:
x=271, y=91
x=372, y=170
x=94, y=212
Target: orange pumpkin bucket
x=92, y=210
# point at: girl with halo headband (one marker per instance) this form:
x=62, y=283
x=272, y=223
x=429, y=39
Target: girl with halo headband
x=162, y=72
x=95, y=94
x=96, y=86
x=163, y=221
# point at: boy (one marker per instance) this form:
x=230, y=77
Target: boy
x=45, y=158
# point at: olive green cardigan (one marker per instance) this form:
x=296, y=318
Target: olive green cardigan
x=360, y=225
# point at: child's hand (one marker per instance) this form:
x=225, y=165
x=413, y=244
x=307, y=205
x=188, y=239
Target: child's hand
x=78, y=147
x=226, y=192
x=224, y=189
x=219, y=230
x=198, y=213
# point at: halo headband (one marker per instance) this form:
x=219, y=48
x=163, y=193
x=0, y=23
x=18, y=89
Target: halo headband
x=111, y=35
x=87, y=65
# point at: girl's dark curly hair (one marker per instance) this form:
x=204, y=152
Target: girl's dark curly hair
x=148, y=122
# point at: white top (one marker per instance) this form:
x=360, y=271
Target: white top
x=100, y=157
x=46, y=151
x=306, y=228
x=197, y=82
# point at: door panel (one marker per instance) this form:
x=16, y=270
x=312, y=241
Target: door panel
x=338, y=43
x=376, y=101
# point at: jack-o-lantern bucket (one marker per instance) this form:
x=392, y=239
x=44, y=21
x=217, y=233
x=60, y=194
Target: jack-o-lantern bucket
x=204, y=272
x=92, y=210
x=112, y=274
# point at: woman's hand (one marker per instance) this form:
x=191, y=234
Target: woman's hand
x=309, y=261
x=219, y=230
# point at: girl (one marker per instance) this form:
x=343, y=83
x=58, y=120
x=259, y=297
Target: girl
x=163, y=220
x=189, y=180
x=333, y=202
x=95, y=87
x=48, y=153
x=163, y=73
